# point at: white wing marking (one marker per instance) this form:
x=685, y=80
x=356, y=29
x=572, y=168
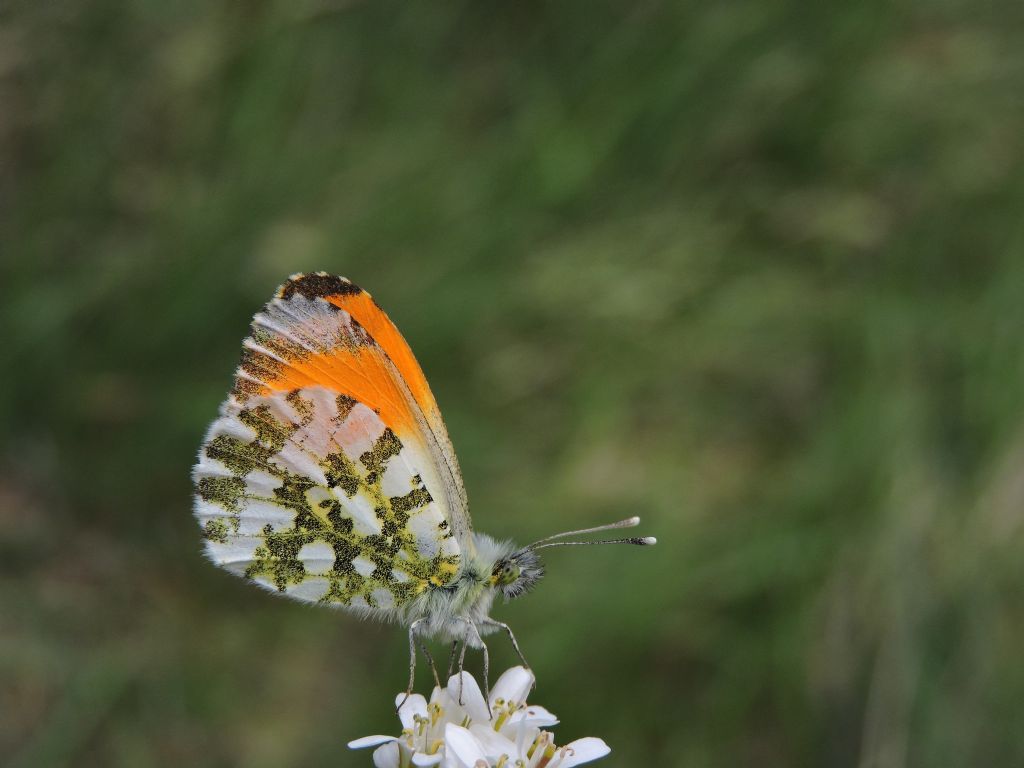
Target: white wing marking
x=291, y=436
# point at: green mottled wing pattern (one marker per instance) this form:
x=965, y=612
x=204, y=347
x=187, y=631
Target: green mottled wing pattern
x=309, y=494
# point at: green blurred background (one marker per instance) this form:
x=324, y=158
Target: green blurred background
x=753, y=270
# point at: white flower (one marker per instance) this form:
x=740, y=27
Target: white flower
x=452, y=735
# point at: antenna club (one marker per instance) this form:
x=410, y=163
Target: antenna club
x=631, y=522
x=648, y=540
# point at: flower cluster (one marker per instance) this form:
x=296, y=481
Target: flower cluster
x=507, y=734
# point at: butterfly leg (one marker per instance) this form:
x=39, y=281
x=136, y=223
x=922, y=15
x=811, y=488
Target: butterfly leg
x=512, y=638
x=487, y=669
x=412, y=662
x=430, y=660
x=462, y=658
x=451, y=659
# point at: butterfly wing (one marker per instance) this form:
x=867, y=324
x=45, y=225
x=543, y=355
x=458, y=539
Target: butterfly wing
x=329, y=475
x=361, y=307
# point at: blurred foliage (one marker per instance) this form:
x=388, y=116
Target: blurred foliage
x=753, y=270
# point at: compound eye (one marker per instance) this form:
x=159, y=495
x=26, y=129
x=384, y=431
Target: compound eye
x=508, y=574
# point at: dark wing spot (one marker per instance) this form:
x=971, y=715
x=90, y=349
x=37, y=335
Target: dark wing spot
x=337, y=518
x=302, y=406
x=216, y=530
x=279, y=346
x=225, y=491
x=240, y=457
x=259, y=366
x=316, y=285
x=341, y=472
x=414, y=499
x=387, y=446
x=292, y=493
x=344, y=553
x=269, y=431
x=345, y=406
x=243, y=389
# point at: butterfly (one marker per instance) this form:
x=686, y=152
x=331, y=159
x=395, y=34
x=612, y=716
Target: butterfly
x=329, y=477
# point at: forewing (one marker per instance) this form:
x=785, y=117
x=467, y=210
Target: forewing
x=329, y=475
x=320, y=329
x=309, y=493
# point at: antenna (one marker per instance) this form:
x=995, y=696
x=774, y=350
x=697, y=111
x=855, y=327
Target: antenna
x=629, y=522
x=644, y=541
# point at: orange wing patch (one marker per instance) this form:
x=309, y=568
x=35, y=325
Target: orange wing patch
x=369, y=315
x=345, y=295
x=299, y=341
x=362, y=373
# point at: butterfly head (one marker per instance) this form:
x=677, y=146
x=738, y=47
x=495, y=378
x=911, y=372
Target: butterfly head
x=517, y=573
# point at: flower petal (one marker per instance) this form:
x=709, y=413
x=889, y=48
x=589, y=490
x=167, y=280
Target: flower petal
x=370, y=741
x=387, y=756
x=494, y=744
x=413, y=706
x=462, y=745
x=581, y=751
x=535, y=715
x=472, y=699
x=522, y=734
x=422, y=758
x=513, y=685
